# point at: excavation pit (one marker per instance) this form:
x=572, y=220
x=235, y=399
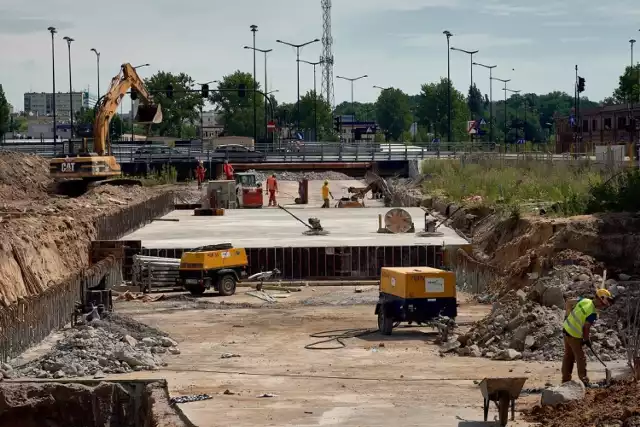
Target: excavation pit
x=88, y=403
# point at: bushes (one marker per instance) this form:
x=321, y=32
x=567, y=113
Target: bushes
x=620, y=193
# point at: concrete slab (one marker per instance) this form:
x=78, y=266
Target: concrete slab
x=272, y=227
x=289, y=191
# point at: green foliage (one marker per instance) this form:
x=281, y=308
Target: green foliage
x=116, y=125
x=628, y=85
x=393, y=112
x=307, y=115
x=620, y=193
x=432, y=110
x=363, y=111
x=183, y=107
x=237, y=112
x=5, y=120
x=475, y=102
x=166, y=175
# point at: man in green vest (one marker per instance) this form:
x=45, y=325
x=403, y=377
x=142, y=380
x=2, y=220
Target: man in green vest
x=576, y=329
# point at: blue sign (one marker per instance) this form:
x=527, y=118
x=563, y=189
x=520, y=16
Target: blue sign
x=572, y=120
x=521, y=141
x=300, y=136
x=436, y=140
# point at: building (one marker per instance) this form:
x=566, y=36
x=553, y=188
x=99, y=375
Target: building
x=211, y=126
x=598, y=126
x=352, y=130
x=41, y=103
x=44, y=130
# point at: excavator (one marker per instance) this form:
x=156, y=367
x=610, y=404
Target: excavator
x=100, y=164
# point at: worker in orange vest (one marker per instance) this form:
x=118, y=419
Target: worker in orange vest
x=200, y=173
x=228, y=170
x=272, y=187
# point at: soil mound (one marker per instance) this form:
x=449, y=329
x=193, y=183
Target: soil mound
x=23, y=177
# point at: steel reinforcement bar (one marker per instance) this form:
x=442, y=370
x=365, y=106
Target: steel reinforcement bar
x=31, y=319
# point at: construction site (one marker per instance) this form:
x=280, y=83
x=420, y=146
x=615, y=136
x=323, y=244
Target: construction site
x=306, y=315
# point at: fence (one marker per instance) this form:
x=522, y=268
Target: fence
x=31, y=319
x=471, y=276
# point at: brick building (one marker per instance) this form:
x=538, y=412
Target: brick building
x=598, y=126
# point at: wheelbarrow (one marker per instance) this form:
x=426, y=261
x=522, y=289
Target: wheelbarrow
x=504, y=392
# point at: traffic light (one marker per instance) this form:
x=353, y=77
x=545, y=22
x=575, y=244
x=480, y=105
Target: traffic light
x=134, y=94
x=581, y=82
x=242, y=90
x=337, y=123
x=170, y=91
x=204, y=91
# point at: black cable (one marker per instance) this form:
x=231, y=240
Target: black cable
x=337, y=335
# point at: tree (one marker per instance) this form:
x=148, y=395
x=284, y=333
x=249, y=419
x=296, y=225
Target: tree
x=363, y=111
x=182, y=107
x=475, y=102
x=628, y=85
x=237, y=111
x=86, y=119
x=307, y=115
x=393, y=112
x=432, y=110
x=5, y=120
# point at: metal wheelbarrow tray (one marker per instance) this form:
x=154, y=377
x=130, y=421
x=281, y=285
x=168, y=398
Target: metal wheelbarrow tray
x=504, y=392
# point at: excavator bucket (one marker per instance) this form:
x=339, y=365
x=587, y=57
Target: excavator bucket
x=149, y=114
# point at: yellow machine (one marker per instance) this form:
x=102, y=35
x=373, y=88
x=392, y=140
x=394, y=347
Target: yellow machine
x=217, y=266
x=101, y=164
x=416, y=294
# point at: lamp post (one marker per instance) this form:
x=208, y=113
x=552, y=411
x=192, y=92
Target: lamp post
x=201, y=106
x=505, y=104
x=352, y=80
x=315, y=98
x=298, y=46
x=490, y=68
x=131, y=114
x=98, y=68
x=265, y=51
x=53, y=31
x=69, y=40
x=381, y=88
x=505, y=109
x=470, y=53
x=449, y=35
x=254, y=30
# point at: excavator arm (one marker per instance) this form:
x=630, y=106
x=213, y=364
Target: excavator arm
x=127, y=79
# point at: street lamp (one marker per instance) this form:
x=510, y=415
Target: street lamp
x=449, y=35
x=470, y=53
x=53, y=31
x=381, y=88
x=131, y=113
x=490, y=68
x=69, y=40
x=265, y=51
x=254, y=30
x=505, y=104
x=272, y=91
x=505, y=108
x=315, y=98
x=352, y=80
x=298, y=46
x=98, y=68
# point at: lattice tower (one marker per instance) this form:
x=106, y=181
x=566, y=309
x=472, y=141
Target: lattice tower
x=327, y=54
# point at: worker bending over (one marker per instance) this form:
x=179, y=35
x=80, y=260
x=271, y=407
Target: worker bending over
x=228, y=170
x=200, y=174
x=576, y=327
x=325, y=194
x=272, y=188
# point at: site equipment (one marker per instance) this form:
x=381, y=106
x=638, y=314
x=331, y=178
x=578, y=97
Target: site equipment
x=314, y=227
x=100, y=164
x=215, y=266
x=397, y=221
x=248, y=190
x=346, y=202
x=424, y=295
x=504, y=392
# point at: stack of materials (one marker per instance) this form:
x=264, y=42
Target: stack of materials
x=155, y=273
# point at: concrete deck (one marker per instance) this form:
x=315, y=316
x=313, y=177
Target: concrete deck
x=272, y=227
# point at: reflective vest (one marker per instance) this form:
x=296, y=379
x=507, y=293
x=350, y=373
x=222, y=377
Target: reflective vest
x=325, y=192
x=575, y=321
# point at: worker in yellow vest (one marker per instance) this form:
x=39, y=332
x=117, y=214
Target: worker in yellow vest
x=576, y=327
x=325, y=194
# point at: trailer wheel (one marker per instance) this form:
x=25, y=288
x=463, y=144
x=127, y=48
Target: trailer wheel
x=385, y=323
x=227, y=285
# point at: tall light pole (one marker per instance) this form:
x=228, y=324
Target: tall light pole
x=131, y=114
x=449, y=35
x=352, y=80
x=515, y=92
x=53, y=31
x=490, y=68
x=505, y=104
x=98, y=68
x=470, y=53
x=69, y=40
x=254, y=30
x=315, y=98
x=381, y=88
x=265, y=51
x=298, y=46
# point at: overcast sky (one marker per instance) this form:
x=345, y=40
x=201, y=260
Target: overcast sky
x=397, y=43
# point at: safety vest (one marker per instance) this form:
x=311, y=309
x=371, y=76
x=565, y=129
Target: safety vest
x=575, y=321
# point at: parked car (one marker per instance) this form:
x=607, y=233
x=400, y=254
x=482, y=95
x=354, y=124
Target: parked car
x=239, y=153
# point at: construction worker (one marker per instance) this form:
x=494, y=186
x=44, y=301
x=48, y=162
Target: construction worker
x=228, y=170
x=272, y=188
x=325, y=194
x=576, y=327
x=200, y=173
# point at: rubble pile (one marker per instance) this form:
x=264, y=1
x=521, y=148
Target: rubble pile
x=527, y=324
x=102, y=347
x=298, y=176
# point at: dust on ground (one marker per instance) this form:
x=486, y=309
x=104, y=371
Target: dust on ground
x=45, y=237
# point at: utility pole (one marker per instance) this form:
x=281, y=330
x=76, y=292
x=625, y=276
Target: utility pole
x=315, y=98
x=53, y=31
x=98, y=68
x=449, y=35
x=490, y=68
x=352, y=80
x=265, y=52
x=69, y=40
x=505, y=104
x=254, y=29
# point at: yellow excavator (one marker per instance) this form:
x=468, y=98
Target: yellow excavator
x=100, y=164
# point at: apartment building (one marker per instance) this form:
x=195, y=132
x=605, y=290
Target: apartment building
x=41, y=103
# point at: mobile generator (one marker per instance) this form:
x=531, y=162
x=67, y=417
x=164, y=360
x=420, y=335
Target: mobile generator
x=422, y=295
x=219, y=267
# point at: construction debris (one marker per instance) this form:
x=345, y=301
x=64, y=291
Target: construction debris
x=299, y=176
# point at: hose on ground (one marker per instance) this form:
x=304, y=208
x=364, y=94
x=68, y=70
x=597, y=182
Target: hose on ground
x=338, y=336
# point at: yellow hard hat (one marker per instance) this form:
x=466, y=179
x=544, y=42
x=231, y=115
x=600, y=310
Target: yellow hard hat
x=605, y=295
x=326, y=181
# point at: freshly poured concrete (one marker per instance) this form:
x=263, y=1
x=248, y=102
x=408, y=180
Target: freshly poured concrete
x=272, y=227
